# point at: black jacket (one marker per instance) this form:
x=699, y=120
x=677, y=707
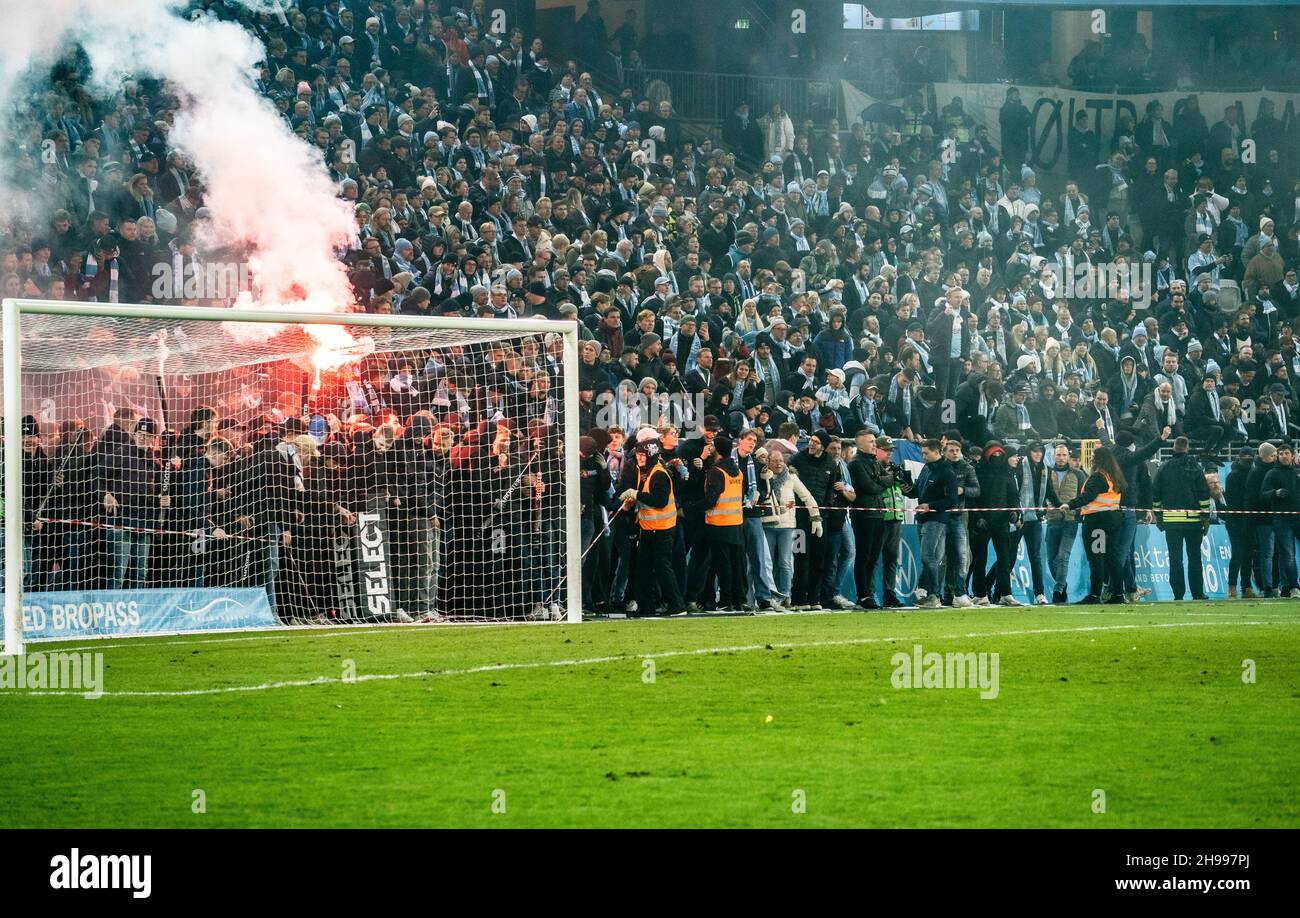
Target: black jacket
x=1255, y=484
x=38, y=479
x=1118, y=405
x=1270, y=426
x=272, y=478
x=1235, y=490
x=939, y=335
x=189, y=483
x=968, y=481
x=234, y=494
x=1200, y=414
x=691, y=491
x=937, y=487
x=1281, y=489
x=870, y=481
x=1137, y=489
x=1180, y=485
x=997, y=488
x=818, y=475
x=974, y=426
x=128, y=473
x=76, y=498
x=594, y=484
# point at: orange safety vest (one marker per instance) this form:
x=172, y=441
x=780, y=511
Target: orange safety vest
x=1106, y=500
x=726, y=512
x=656, y=518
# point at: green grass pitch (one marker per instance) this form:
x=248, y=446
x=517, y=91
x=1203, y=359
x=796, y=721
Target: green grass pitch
x=569, y=725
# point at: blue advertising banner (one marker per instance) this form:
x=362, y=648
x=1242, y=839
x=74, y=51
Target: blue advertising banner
x=1150, y=555
x=1151, y=566
x=60, y=616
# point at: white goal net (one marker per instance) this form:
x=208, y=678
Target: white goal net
x=354, y=472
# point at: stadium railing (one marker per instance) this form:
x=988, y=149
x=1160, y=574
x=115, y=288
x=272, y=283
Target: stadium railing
x=714, y=96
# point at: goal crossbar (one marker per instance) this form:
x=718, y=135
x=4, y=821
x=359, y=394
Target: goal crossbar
x=14, y=309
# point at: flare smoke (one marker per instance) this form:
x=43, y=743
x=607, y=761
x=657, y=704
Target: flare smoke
x=268, y=192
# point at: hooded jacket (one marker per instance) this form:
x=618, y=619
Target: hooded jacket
x=998, y=488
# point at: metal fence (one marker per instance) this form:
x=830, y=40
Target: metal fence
x=714, y=96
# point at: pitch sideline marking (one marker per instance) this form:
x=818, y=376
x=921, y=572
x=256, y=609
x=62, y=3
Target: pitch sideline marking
x=617, y=658
x=362, y=628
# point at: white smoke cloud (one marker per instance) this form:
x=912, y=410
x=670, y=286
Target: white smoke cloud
x=268, y=191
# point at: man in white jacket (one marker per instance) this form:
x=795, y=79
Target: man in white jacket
x=778, y=132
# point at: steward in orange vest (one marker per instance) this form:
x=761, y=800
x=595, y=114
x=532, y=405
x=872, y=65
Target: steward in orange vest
x=1099, y=502
x=724, y=538
x=656, y=514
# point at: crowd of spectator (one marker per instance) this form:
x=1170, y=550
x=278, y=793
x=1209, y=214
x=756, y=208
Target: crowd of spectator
x=787, y=291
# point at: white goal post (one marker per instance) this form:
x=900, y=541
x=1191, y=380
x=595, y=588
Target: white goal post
x=564, y=571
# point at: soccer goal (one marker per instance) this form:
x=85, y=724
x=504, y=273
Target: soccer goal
x=188, y=468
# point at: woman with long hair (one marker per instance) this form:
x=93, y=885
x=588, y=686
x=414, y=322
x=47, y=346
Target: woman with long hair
x=1017, y=348
x=381, y=227
x=663, y=260
x=443, y=180
x=1054, y=366
x=577, y=206
x=741, y=384
x=138, y=199
x=513, y=206
x=1081, y=362
x=1099, y=502
x=749, y=321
